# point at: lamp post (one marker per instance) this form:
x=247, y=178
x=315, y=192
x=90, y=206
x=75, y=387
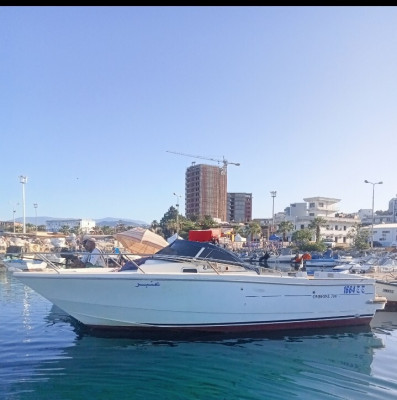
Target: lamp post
x=35, y=205
x=177, y=209
x=273, y=193
x=373, y=202
x=13, y=218
x=23, y=180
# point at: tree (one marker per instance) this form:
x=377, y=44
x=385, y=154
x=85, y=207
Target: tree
x=168, y=222
x=302, y=237
x=207, y=222
x=155, y=227
x=253, y=229
x=239, y=229
x=65, y=229
x=316, y=225
x=186, y=225
x=284, y=227
x=30, y=227
x=360, y=237
x=107, y=230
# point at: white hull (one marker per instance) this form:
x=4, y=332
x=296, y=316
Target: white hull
x=18, y=264
x=320, y=263
x=280, y=259
x=207, y=301
x=389, y=291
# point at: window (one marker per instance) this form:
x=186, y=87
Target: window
x=312, y=205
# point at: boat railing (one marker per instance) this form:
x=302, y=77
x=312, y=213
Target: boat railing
x=50, y=264
x=209, y=261
x=109, y=258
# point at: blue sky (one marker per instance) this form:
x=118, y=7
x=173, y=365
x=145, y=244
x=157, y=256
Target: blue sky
x=91, y=99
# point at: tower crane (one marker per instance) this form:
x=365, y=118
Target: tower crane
x=223, y=161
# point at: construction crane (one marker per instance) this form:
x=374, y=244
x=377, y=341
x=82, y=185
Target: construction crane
x=223, y=161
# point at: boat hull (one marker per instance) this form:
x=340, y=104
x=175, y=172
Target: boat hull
x=207, y=303
x=389, y=291
x=17, y=264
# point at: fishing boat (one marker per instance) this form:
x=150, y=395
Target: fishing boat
x=203, y=287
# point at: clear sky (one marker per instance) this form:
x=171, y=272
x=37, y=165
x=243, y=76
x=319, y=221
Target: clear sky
x=91, y=99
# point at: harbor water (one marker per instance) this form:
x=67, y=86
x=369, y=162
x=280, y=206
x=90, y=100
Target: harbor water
x=45, y=354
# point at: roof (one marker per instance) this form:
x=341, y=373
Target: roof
x=324, y=199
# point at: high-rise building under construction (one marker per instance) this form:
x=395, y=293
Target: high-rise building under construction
x=206, y=191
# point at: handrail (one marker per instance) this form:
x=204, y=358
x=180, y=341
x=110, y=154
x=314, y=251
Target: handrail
x=49, y=263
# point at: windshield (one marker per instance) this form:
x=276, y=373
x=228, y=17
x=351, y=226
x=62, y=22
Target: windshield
x=187, y=248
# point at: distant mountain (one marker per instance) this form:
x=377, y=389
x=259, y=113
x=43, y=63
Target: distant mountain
x=108, y=221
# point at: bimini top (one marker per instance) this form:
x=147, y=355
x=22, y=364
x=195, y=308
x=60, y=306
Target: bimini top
x=199, y=250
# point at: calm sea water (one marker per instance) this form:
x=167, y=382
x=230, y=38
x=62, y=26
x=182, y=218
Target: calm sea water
x=45, y=354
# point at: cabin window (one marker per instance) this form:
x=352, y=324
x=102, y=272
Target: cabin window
x=190, y=270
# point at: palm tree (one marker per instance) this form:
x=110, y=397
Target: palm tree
x=316, y=225
x=254, y=229
x=239, y=229
x=284, y=227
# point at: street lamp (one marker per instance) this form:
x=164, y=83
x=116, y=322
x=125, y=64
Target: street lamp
x=23, y=180
x=177, y=209
x=35, y=205
x=373, y=202
x=13, y=218
x=273, y=193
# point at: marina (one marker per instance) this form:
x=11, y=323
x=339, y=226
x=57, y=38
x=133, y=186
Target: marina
x=46, y=354
x=186, y=212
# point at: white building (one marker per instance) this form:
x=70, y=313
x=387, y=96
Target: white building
x=386, y=234
x=338, y=227
x=55, y=225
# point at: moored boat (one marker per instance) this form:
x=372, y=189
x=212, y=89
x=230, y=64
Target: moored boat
x=24, y=264
x=388, y=289
x=199, y=286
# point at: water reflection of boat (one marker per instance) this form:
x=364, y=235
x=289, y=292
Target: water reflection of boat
x=212, y=368
x=384, y=321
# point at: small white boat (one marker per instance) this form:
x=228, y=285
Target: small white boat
x=285, y=256
x=24, y=264
x=202, y=287
x=388, y=289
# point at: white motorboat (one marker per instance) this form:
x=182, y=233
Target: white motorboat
x=199, y=286
x=24, y=264
x=284, y=256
